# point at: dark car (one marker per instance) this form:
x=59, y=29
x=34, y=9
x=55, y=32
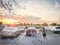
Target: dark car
x=1, y=26
x=31, y=32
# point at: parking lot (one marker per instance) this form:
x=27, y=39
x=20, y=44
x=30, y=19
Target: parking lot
x=22, y=39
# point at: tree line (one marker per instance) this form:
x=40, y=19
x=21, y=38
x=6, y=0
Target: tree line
x=43, y=24
x=52, y=24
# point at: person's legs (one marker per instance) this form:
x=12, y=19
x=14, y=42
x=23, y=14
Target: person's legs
x=45, y=39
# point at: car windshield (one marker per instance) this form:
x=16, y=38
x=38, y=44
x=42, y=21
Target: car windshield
x=10, y=28
x=57, y=27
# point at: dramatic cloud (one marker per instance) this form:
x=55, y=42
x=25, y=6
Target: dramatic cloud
x=47, y=10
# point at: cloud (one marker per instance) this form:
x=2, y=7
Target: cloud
x=57, y=5
x=45, y=9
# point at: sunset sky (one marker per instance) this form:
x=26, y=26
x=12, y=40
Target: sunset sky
x=46, y=10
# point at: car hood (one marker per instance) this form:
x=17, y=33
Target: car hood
x=9, y=30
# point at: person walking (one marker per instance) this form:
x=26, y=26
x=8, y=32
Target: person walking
x=44, y=34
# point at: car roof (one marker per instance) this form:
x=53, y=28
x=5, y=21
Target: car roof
x=31, y=28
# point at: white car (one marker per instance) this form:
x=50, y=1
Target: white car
x=55, y=29
x=22, y=28
x=10, y=32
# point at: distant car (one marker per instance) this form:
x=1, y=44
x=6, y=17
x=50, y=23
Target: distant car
x=10, y=32
x=48, y=28
x=56, y=29
x=22, y=28
x=37, y=27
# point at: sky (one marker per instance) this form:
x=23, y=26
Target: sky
x=46, y=10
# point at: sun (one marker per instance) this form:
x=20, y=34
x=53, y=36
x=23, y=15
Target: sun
x=10, y=21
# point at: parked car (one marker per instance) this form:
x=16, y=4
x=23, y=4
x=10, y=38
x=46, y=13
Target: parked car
x=38, y=27
x=10, y=32
x=55, y=29
x=22, y=28
x=48, y=28
x=31, y=31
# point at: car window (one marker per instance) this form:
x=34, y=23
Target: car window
x=57, y=27
x=10, y=28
